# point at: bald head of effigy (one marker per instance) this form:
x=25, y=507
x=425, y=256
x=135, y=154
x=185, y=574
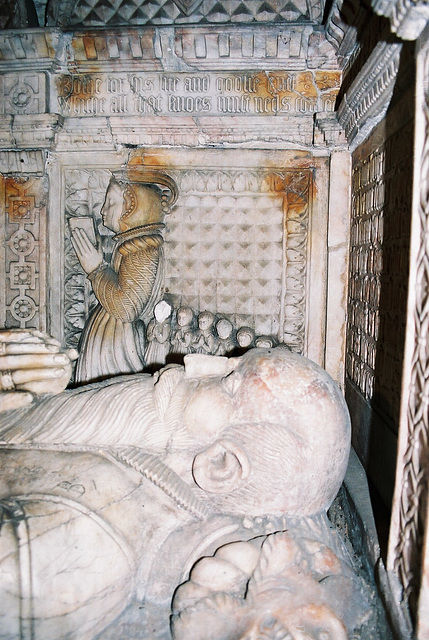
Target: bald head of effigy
x=271, y=432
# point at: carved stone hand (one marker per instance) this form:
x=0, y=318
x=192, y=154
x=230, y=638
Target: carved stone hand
x=90, y=257
x=31, y=362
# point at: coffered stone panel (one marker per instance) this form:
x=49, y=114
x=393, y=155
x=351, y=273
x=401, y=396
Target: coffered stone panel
x=238, y=241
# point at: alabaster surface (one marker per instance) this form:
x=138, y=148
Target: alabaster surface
x=110, y=493
x=128, y=287
x=235, y=244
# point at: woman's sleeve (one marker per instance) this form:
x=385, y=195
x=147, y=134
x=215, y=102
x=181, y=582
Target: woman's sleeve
x=125, y=294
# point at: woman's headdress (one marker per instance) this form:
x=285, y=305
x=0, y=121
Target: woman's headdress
x=142, y=189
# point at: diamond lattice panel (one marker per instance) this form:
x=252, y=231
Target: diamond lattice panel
x=236, y=244
x=225, y=250
x=165, y=12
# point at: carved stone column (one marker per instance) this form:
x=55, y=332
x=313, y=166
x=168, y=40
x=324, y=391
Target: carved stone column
x=338, y=261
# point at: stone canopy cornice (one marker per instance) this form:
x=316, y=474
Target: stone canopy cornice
x=286, y=47
x=407, y=18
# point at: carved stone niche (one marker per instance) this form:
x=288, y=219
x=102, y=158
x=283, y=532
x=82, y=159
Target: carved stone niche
x=246, y=239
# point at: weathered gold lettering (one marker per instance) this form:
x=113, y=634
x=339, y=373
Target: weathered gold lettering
x=280, y=83
x=168, y=83
x=237, y=84
x=148, y=104
x=140, y=85
x=119, y=104
x=233, y=104
x=197, y=84
x=188, y=104
x=79, y=85
x=116, y=85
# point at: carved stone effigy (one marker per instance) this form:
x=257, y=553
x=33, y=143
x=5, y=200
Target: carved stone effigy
x=127, y=290
x=214, y=261
x=158, y=335
x=133, y=480
x=86, y=103
x=181, y=332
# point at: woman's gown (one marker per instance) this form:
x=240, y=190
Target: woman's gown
x=113, y=340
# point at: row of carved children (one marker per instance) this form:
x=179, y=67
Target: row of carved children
x=182, y=331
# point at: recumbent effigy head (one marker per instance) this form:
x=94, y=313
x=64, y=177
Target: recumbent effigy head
x=272, y=432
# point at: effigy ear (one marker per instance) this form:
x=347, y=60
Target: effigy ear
x=221, y=467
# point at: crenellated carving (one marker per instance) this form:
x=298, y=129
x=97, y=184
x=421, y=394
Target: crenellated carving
x=208, y=47
x=41, y=49
x=182, y=48
x=22, y=162
x=328, y=131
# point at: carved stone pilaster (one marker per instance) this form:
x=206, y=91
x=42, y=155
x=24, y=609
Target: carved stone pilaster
x=23, y=252
x=409, y=512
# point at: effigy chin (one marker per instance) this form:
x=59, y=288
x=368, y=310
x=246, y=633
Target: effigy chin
x=189, y=505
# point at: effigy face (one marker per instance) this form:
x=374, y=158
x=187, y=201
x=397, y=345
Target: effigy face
x=260, y=416
x=134, y=480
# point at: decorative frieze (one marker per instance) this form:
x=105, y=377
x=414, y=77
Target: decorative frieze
x=366, y=101
x=29, y=131
x=24, y=250
x=177, y=12
x=13, y=162
x=284, y=47
x=141, y=88
x=197, y=94
x=204, y=48
x=31, y=48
